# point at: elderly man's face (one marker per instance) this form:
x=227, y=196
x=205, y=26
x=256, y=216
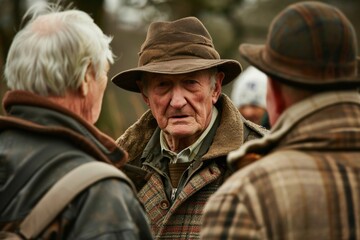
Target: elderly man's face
x=182, y=104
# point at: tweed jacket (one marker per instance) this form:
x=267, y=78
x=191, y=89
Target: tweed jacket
x=181, y=218
x=39, y=143
x=306, y=186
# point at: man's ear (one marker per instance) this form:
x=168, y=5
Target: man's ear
x=218, y=86
x=141, y=87
x=89, y=76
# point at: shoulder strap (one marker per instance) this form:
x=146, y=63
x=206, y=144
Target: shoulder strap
x=63, y=191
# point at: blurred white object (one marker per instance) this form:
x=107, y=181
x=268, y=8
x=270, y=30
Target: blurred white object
x=249, y=88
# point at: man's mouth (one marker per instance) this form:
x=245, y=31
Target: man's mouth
x=179, y=116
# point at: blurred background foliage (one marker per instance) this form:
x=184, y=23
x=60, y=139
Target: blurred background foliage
x=230, y=22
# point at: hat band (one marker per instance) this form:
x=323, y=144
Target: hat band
x=306, y=69
x=167, y=52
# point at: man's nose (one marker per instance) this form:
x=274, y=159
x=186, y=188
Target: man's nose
x=178, y=99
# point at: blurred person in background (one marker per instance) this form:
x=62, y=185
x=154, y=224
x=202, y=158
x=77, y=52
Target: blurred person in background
x=56, y=71
x=178, y=148
x=305, y=183
x=249, y=95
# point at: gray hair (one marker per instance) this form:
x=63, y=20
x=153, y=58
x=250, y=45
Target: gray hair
x=51, y=54
x=212, y=72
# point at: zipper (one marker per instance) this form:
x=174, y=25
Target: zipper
x=173, y=190
x=194, y=170
x=182, y=180
x=173, y=194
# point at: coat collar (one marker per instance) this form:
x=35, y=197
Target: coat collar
x=290, y=130
x=17, y=107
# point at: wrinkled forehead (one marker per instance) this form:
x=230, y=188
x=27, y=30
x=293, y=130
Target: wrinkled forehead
x=173, y=77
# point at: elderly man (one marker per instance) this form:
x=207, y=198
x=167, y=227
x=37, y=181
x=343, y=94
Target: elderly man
x=306, y=183
x=57, y=72
x=177, y=149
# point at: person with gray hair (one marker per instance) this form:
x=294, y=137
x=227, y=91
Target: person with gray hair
x=56, y=71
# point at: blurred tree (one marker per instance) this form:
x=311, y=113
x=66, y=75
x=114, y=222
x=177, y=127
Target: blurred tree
x=10, y=17
x=230, y=22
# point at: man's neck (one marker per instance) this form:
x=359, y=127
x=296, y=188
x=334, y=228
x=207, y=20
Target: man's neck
x=178, y=144
x=74, y=103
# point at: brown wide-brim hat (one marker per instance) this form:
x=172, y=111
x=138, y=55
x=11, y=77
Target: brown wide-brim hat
x=309, y=44
x=177, y=47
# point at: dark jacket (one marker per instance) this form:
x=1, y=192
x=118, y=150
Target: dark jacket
x=47, y=140
x=179, y=216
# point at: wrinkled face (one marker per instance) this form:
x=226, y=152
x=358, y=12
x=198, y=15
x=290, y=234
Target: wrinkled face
x=182, y=104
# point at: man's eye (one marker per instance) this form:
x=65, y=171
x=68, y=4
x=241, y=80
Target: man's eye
x=162, y=84
x=190, y=82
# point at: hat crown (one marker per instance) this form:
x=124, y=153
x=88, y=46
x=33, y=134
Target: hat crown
x=177, y=47
x=314, y=37
x=186, y=38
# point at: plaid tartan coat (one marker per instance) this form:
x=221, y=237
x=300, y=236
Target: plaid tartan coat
x=307, y=186
x=181, y=219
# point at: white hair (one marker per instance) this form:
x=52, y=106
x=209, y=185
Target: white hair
x=51, y=54
x=212, y=72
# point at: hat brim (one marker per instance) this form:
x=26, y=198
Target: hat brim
x=254, y=55
x=127, y=79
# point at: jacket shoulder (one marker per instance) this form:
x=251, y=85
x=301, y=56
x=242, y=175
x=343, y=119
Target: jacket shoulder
x=253, y=131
